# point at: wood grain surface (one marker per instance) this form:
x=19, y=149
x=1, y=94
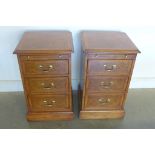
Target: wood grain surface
x=46, y=41
x=100, y=41
x=109, y=58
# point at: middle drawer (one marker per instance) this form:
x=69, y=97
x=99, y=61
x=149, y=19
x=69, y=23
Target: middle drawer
x=47, y=85
x=108, y=84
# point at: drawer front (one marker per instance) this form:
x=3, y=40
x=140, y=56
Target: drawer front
x=45, y=57
x=52, y=67
x=103, y=101
x=102, y=84
x=47, y=85
x=40, y=103
x=109, y=67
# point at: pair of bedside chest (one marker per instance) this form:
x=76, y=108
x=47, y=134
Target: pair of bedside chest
x=44, y=58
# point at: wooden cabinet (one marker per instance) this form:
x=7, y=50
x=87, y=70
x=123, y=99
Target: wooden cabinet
x=45, y=64
x=107, y=65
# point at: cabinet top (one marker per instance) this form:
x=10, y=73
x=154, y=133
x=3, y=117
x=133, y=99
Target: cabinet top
x=45, y=42
x=107, y=41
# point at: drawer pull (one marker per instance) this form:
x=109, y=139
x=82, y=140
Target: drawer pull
x=109, y=69
x=48, y=86
x=104, y=101
x=28, y=57
x=106, y=85
x=49, y=103
x=46, y=69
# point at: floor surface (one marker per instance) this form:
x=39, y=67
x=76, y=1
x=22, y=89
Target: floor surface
x=139, y=106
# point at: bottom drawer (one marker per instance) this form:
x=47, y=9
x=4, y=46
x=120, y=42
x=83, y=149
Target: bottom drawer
x=102, y=101
x=40, y=103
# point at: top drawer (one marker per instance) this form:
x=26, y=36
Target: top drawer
x=109, y=67
x=49, y=67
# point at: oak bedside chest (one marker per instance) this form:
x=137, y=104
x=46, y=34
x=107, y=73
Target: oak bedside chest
x=45, y=64
x=108, y=61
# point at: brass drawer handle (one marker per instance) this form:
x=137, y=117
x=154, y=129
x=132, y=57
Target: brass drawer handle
x=49, y=103
x=28, y=57
x=48, y=86
x=46, y=68
x=110, y=68
x=106, y=85
x=104, y=101
x=60, y=56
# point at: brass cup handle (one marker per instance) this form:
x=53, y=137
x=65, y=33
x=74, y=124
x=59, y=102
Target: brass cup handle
x=60, y=56
x=106, y=85
x=104, y=101
x=46, y=69
x=49, y=103
x=48, y=86
x=109, y=69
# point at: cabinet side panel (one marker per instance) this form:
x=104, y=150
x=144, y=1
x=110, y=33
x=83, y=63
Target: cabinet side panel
x=83, y=77
x=128, y=83
x=23, y=81
x=70, y=85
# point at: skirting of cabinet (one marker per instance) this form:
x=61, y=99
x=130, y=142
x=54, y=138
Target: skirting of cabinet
x=102, y=114
x=50, y=116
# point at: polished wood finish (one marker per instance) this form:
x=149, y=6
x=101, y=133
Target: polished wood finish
x=45, y=57
x=45, y=63
x=107, y=55
x=108, y=61
x=109, y=67
x=47, y=85
x=102, y=41
x=45, y=42
x=43, y=103
x=107, y=114
x=52, y=67
x=48, y=116
x=106, y=84
x=102, y=101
